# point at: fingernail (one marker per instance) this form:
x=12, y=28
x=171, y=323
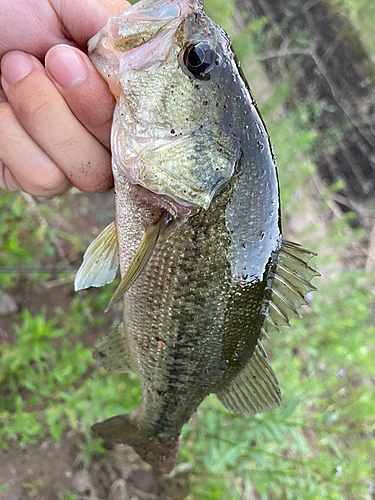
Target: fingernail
x=15, y=66
x=65, y=66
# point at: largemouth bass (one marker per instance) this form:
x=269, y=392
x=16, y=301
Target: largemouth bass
x=205, y=271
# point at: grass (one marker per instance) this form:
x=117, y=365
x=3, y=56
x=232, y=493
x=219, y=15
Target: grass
x=318, y=444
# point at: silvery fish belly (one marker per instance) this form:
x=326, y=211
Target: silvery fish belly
x=205, y=271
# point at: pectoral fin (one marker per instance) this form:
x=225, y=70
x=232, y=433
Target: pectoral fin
x=255, y=389
x=100, y=262
x=140, y=259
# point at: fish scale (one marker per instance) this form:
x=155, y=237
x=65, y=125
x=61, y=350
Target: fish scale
x=205, y=272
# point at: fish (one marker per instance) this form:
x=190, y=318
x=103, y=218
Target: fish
x=205, y=272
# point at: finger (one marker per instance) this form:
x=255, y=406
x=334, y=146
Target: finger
x=23, y=164
x=45, y=115
x=87, y=17
x=53, y=22
x=86, y=93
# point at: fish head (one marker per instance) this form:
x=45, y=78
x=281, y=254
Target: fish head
x=177, y=85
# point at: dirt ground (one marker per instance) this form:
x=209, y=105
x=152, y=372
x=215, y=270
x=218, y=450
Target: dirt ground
x=47, y=470
x=44, y=471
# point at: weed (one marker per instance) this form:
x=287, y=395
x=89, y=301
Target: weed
x=65, y=495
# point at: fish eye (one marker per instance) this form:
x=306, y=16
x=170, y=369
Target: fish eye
x=199, y=58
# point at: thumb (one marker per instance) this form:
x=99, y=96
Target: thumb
x=82, y=19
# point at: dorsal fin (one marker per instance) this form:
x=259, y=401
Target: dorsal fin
x=255, y=389
x=290, y=284
x=100, y=262
x=111, y=353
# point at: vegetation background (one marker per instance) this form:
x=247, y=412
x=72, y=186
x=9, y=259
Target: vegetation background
x=320, y=443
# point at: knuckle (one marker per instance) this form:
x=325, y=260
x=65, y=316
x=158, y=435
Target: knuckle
x=31, y=97
x=30, y=109
x=48, y=181
x=54, y=182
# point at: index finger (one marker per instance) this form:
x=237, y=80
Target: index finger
x=84, y=90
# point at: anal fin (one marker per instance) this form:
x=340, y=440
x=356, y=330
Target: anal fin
x=111, y=353
x=255, y=389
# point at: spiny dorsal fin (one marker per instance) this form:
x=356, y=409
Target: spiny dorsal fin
x=141, y=257
x=255, y=389
x=111, y=353
x=100, y=262
x=291, y=283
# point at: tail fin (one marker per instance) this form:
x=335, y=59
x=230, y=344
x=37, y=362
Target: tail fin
x=159, y=452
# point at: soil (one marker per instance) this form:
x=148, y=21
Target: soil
x=49, y=470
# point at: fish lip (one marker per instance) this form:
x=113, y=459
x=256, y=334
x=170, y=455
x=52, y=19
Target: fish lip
x=101, y=48
x=151, y=10
x=162, y=9
x=94, y=41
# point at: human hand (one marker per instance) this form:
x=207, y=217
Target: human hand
x=54, y=119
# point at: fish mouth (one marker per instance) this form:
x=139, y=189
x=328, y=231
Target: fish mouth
x=139, y=37
x=136, y=26
x=152, y=10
